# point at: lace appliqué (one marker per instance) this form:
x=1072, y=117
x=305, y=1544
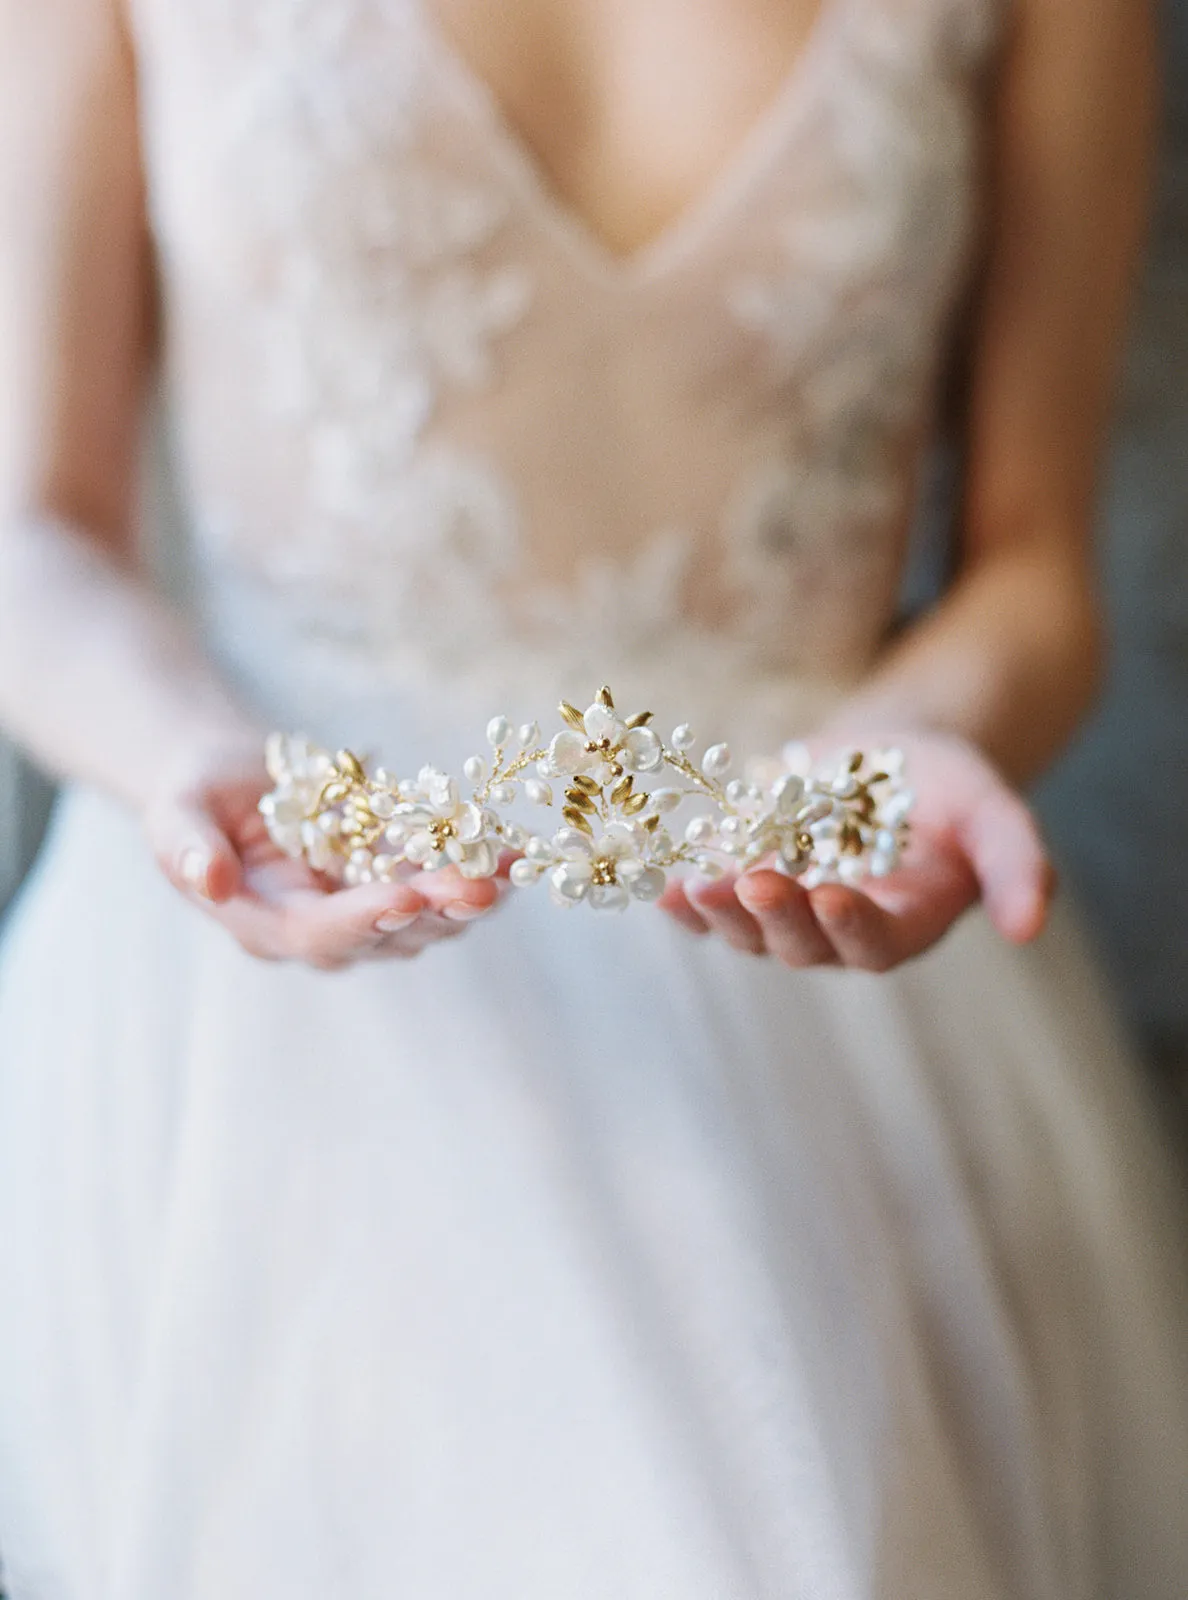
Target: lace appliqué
x=380, y=267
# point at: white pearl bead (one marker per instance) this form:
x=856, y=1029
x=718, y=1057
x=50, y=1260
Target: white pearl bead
x=515, y=837
x=708, y=867
x=539, y=850
x=499, y=732
x=700, y=830
x=529, y=734
x=538, y=792
x=716, y=760
x=474, y=769
x=665, y=800
x=503, y=794
x=736, y=792
x=523, y=873
x=683, y=738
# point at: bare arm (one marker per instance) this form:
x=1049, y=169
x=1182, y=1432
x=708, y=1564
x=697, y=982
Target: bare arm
x=985, y=690
x=98, y=678
x=1009, y=660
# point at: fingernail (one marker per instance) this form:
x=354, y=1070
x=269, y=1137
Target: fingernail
x=194, y=865
x=393, y=921
x=462, y=911
x=701, y=883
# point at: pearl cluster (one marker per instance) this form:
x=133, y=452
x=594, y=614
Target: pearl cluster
x=838, y=820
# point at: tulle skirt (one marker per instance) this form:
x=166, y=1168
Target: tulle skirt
x=576, y=1260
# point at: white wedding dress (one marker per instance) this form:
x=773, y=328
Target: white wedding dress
x=578, y=1260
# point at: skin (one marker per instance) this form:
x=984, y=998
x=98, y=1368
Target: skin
x=103, y=683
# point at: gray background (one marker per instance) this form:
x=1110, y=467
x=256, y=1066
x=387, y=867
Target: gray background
x=1115, y=807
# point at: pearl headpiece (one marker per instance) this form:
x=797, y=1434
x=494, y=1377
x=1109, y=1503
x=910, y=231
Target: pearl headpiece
x=620, y=788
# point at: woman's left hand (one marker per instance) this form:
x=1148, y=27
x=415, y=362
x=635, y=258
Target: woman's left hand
x=972, y=837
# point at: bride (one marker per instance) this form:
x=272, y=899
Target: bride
x=508, y=350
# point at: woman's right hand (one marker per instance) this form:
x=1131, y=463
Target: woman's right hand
x=211, y=843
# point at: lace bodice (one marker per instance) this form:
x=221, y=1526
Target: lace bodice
x=428, y=422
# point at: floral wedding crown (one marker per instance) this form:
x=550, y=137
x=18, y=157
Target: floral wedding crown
x=837, y=820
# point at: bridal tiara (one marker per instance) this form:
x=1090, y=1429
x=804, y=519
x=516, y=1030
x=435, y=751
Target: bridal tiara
x=618, y=787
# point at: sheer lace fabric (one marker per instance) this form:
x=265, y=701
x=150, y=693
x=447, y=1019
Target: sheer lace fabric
x=487, y=452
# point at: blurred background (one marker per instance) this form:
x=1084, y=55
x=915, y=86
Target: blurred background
x=1114, y=807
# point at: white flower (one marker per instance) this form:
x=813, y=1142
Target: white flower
x=440, y=828
x=606, y=870
x=602, y=744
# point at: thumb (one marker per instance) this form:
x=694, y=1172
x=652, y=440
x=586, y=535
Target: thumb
x=194, y=853
x=1004, y=845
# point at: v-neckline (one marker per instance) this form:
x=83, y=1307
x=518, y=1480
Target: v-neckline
x=676, y=239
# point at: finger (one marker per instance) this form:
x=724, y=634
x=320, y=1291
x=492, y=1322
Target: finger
x=862, y=934
x=349, y=923
x=718, y=904
x=456, y=898
x=1007, y=852
x=322, y=930
x=898, y=917
x=194, y=853
x=427, y=930
x=675, y=902
x=787, y=920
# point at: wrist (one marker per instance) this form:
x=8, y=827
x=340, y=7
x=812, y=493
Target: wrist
x=219, y=749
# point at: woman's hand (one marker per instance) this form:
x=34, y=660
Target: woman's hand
x=210, y=841
x=972, y=837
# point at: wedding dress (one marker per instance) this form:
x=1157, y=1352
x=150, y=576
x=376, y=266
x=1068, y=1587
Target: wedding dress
x=578, y=1260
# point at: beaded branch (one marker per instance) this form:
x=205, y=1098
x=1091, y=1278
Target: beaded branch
x=618, y=787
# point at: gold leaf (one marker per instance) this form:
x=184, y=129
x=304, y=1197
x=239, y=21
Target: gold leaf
x=334, y=792
x=581, y=781
x=621, y=790
x=349, y=765
x=605, y=698
x=582, y=801
x=635, y=804
x=640, y=719
x=573, y=716
x=856, y=761
x=577, y=819
x=652, y=823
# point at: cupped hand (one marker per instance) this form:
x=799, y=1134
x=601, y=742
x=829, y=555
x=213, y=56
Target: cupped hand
x=211, y=843
x=972, y=838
